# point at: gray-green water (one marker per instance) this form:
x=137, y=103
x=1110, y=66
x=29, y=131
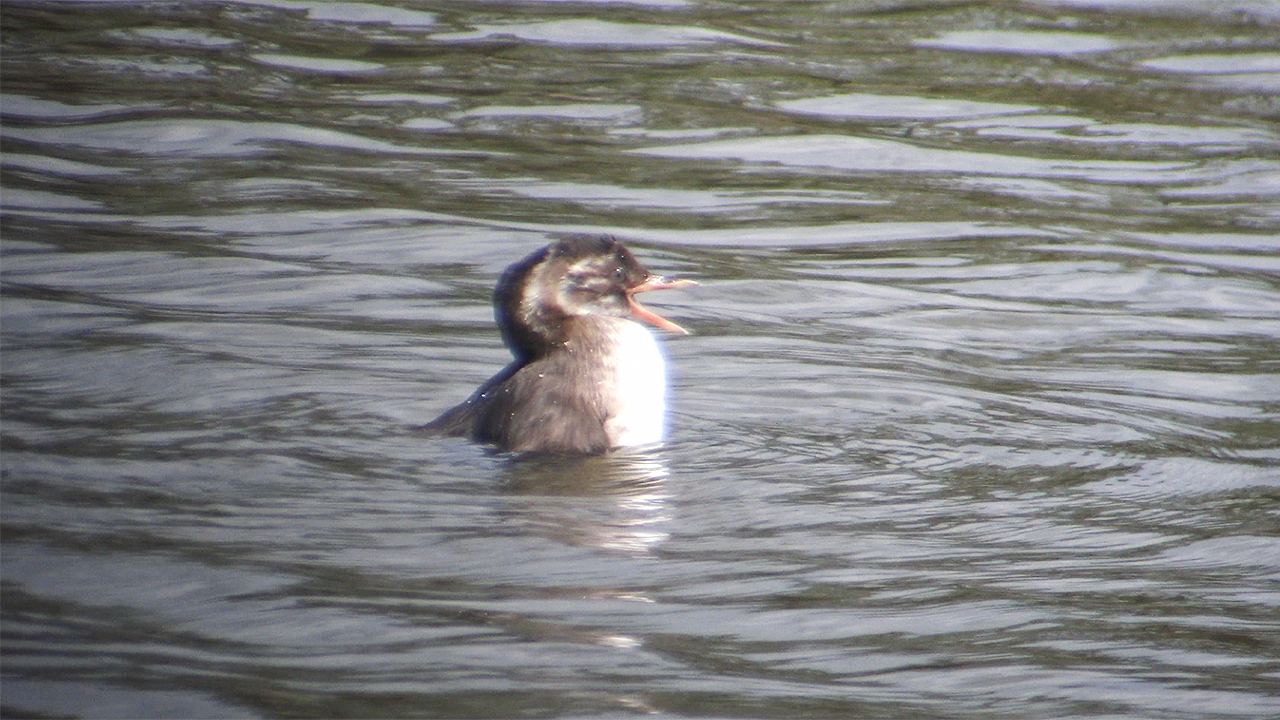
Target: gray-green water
x=978, y=419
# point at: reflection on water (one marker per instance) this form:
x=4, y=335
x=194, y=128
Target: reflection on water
x=978, y=418
x=867, y=155
x=615, y=502
x=601, y=33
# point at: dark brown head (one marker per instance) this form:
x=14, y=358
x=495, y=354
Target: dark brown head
x=576, y=276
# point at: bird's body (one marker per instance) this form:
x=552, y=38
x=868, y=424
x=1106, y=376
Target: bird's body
x=586, y=377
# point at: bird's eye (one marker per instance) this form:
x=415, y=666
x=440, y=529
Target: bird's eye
x=619, y=273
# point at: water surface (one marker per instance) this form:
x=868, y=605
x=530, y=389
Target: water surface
x=978, y=418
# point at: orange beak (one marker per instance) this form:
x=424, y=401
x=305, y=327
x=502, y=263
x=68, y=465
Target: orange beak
x=656, y=282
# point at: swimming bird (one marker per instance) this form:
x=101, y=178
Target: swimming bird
x=586, y=376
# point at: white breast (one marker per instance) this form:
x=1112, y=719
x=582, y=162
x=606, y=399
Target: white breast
x=640, y=388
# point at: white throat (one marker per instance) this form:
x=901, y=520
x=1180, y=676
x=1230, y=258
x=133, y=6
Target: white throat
x=640, y=388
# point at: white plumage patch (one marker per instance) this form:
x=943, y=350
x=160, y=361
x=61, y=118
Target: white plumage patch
x=640, y=389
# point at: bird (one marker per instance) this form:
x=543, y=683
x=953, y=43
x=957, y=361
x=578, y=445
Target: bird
x=587, y=377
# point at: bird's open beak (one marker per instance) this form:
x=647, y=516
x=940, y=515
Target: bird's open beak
x=656, y=282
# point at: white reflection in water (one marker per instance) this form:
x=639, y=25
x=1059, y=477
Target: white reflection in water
x=1218, y=64
x=1081, y=130
x=617, y=501
x=22, y=106
x=180, y=37
x=859, y=154
x=351, y=12
x=202, y=138
x=1030, y=43
x=572, y=112
x=602, y=33
x=910, y=107
x=318, y=65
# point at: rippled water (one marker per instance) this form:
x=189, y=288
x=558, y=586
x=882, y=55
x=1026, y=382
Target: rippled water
x=978, y=419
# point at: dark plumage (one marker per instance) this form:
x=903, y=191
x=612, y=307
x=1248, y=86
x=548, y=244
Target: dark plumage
x=586, y=377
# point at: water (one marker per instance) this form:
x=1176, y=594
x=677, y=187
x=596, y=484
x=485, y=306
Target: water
x=978, y=419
